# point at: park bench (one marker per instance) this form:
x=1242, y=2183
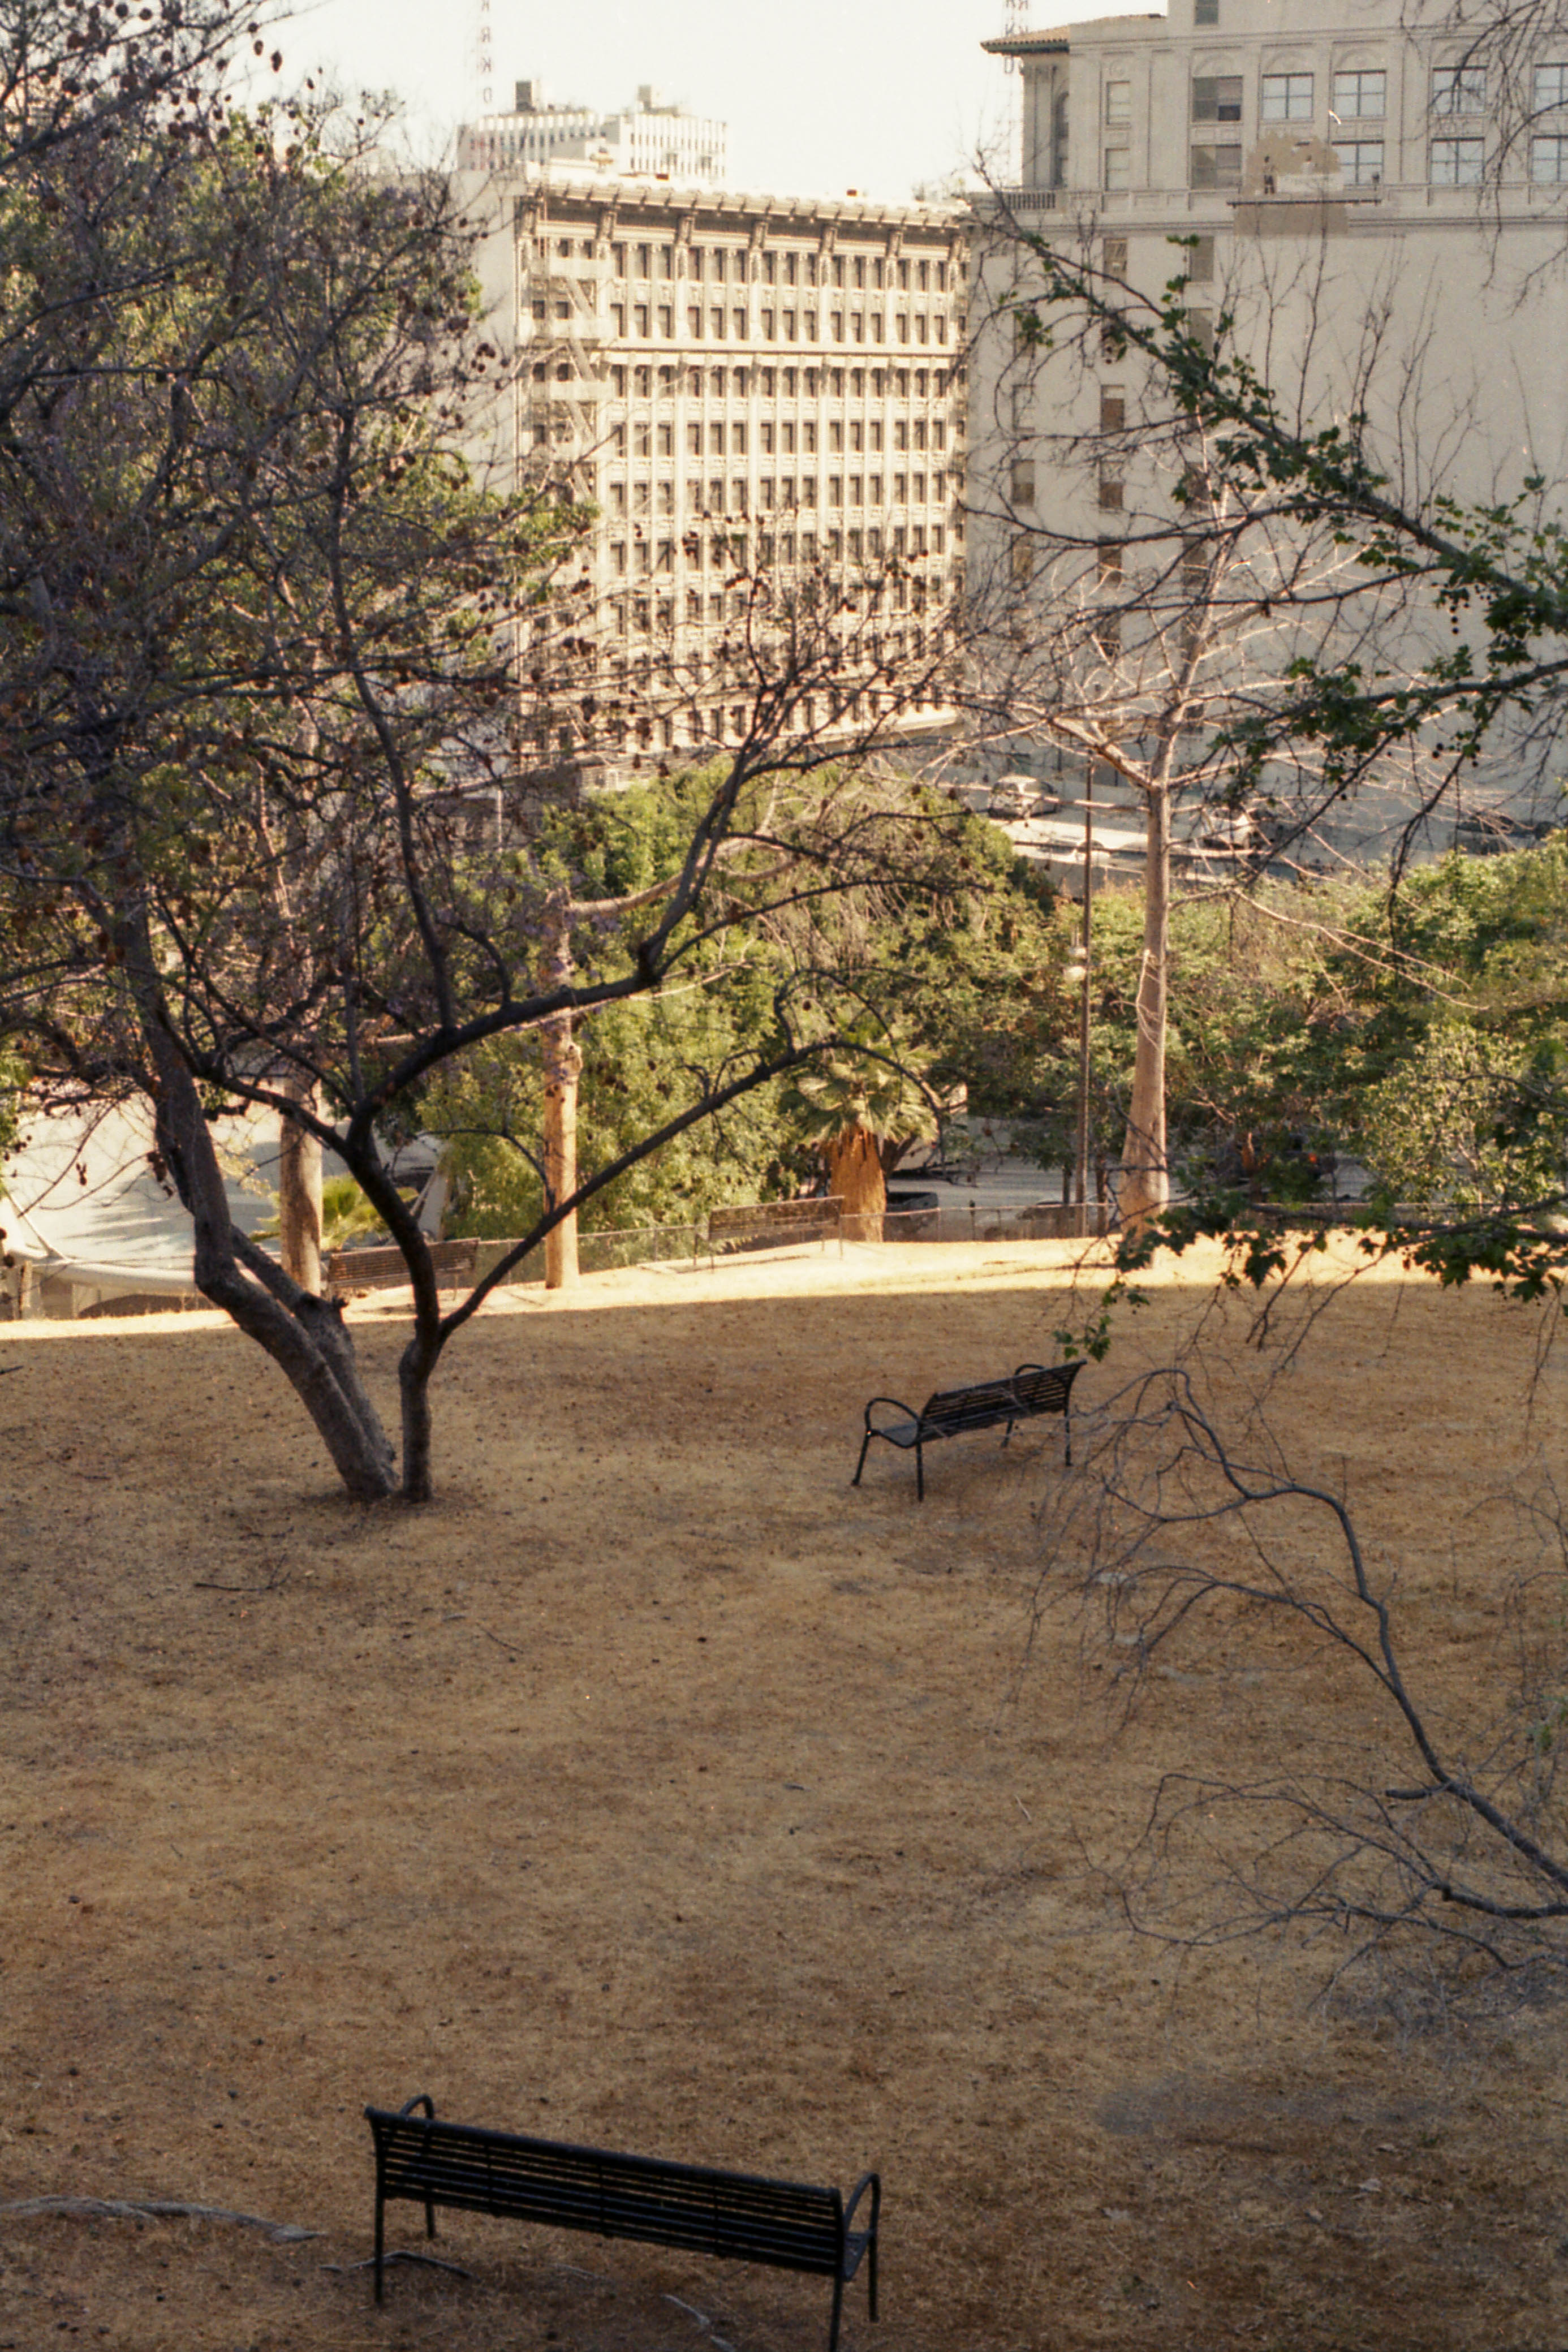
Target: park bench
x=689, y=2206
x=387, y=1270
x=772, y=1224
x=1031, y=1390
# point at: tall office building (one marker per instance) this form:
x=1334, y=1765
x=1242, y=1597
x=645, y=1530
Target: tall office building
x=763, y=399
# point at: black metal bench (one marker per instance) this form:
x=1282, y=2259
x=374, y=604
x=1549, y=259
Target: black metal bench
x=1033, y=1389
x=778, y=2222
x=770, y=1224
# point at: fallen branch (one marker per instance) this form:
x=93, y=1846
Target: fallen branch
x=153, y=2208
x=399, y=2254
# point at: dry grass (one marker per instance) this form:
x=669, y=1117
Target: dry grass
x=655, y=1788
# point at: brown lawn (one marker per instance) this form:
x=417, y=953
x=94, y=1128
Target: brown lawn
x=655, y=1788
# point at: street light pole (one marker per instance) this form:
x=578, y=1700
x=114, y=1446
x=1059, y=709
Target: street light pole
x=1083, y=1131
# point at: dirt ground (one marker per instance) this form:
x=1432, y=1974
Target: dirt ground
x=658, y=1789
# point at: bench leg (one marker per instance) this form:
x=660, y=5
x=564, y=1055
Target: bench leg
x=861, y=1464
x=1007, y=1433
x=379, y=2241
x=919, y=1474
x=837, y=2311
x=1067, y=1432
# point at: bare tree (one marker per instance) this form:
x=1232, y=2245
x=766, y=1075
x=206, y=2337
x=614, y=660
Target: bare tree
x=1437, y=1822
x=1144, y=602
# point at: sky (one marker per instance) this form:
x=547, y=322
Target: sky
x=821, y=96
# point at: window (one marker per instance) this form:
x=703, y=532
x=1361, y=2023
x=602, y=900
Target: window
x=1023, y=485
x=1287, y=97
x=1549, y=158
x=1111, y=494
x=1361, y=97
x=1216, y=98
x=1360, y=161
x=1113, y=408
x=1199, y=269
x=1550, y=88
x=1206, y=12
x=1113, y=257
x=1200, y=326
x=1023, y=554
x=1117, y=171
x=1107, y=559
x=1216, y=167
x=1459, y=90
x=1117, y=101
x=1458, y=162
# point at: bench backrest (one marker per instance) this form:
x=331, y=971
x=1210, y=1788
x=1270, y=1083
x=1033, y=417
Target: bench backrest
x=787, y=1216
x=781, y=2222
x=376, y=1269
x=1034, y=1388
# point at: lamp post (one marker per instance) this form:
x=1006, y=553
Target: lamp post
x=1086, y=976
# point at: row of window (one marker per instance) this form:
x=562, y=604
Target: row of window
x=659, y=558
x=648, y=438
x=733, y=551
x=718, y=265
x=1452, y=163
x=865, y=489
x=715, y=324
x=692, y=730
x=773, y=383
x=1358, y=95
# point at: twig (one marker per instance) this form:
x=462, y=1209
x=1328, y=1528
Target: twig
x=203, y=1584
x=1024, y=1811
x=399, y=2254
x=507, y=1646
x=154, y=2209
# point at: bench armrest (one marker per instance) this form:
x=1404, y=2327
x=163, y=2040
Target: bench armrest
x=420, y=2099
x=909, y=1414
x=873, y=2181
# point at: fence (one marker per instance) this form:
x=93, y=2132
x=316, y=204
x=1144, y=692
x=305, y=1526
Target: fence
x=615, y=1247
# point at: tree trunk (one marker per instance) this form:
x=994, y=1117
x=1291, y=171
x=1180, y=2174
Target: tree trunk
x=562, y=1067
x=299, y=1192
x=854, y=1175
x=305, y=1336
x=1145, y=1172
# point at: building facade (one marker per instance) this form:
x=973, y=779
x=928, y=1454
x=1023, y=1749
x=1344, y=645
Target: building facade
x=1374, y=201
x=762, y=399
x=651, y=138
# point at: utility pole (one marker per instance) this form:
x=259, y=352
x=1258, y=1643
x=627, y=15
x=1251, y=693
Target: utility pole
x=563, y=1060
x=1084, y=1138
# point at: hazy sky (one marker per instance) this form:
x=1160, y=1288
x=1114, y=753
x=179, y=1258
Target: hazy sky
x=820, y=96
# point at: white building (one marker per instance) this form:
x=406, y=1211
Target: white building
x=652, y=138
x=1374, y=196
x=749, y=390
